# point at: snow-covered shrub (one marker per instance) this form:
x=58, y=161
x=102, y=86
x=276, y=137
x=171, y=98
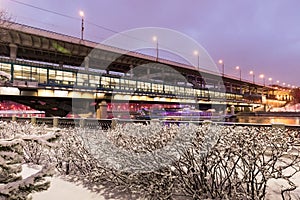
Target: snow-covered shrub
x=240, y=163
x=13, y=138
x=187, y=161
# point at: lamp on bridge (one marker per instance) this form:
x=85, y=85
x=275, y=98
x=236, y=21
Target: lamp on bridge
x=154, y=38
x=196, y=53
x=238, y=68
x=81, y=13
x=277, y=82
x=263, y=77
x=253, y=76
x=222, y=63
x=271, y=81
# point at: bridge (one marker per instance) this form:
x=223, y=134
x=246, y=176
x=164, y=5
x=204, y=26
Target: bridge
x=56, y=73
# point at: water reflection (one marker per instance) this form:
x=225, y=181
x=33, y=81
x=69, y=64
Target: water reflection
x=268, y=120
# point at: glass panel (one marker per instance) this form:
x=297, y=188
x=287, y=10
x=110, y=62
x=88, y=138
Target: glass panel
x=68, y=78
x=94, y=80
x=34, y=74
x=4, y=67
x=82, y=79
x=26, y=73
x=18, y=72
x=42, y=75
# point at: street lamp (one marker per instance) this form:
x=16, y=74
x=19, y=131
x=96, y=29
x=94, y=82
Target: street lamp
x=196, y=53
x=154, y=38
x=222, y=63
x=253, y=75
x=238, y=68
x=263, y=77
x=81, y=13
x=270, y=79
x=277, y=82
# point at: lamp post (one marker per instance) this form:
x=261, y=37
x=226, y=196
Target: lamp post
x=81, y=13
x=196, y=53
x=253, y=76
x=238, y=68
x=271, y=81
x=222, y=63
x=263, y=77
x=154, y=38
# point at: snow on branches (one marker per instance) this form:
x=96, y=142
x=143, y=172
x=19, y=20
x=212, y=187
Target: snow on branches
x=190, y=161
x=16, y=143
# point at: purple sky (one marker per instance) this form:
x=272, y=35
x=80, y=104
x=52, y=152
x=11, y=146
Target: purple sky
x=258, y=35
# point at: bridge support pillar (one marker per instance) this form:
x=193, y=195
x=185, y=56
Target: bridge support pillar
x=86, y=63
x=13, y=51
x=102, y=110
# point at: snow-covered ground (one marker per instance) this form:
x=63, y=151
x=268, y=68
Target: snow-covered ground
x=62, y=189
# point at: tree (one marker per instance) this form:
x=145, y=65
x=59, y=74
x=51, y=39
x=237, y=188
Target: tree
x=13, y=138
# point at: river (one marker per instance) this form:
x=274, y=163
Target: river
x=268, y=120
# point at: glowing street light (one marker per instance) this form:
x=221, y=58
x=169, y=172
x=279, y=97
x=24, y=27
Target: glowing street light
x=271, y=80
x=238, y=68
x=154, y=38
x=222, y=63
x=277, y=82
x=253, y=75
x=81, y=13
x=263, y=77
x=196, y=53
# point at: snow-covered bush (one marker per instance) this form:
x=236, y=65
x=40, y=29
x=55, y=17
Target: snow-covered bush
x=239, y=165
x=14, y=139
x=186, y=161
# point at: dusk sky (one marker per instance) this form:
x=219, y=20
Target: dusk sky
x=258, y=35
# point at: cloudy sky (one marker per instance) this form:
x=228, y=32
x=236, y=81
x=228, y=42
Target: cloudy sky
x=258, y=35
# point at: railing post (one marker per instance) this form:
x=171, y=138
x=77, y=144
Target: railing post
x=278, y=125
x=33, y=120
x=55, y=122
x=14, y=118
x=82, y=122
x=154, y=122
x=207, y=122
x=114, y=122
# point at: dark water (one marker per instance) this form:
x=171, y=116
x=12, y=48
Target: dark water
x=268, y=120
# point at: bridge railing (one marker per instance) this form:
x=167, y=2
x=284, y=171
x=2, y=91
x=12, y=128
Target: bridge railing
x=110, y=123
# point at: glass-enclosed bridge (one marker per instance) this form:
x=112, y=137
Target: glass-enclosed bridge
x=52, y=72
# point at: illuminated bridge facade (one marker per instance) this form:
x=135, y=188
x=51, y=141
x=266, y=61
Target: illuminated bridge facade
x=46, y=70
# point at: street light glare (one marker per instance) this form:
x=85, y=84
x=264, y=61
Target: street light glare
x=251, y=72
x=220, y=61
x=81, y=13
x=270, y=79
x=261, y=76
x=196, y=53
x=154, y=38
x=237, y=67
